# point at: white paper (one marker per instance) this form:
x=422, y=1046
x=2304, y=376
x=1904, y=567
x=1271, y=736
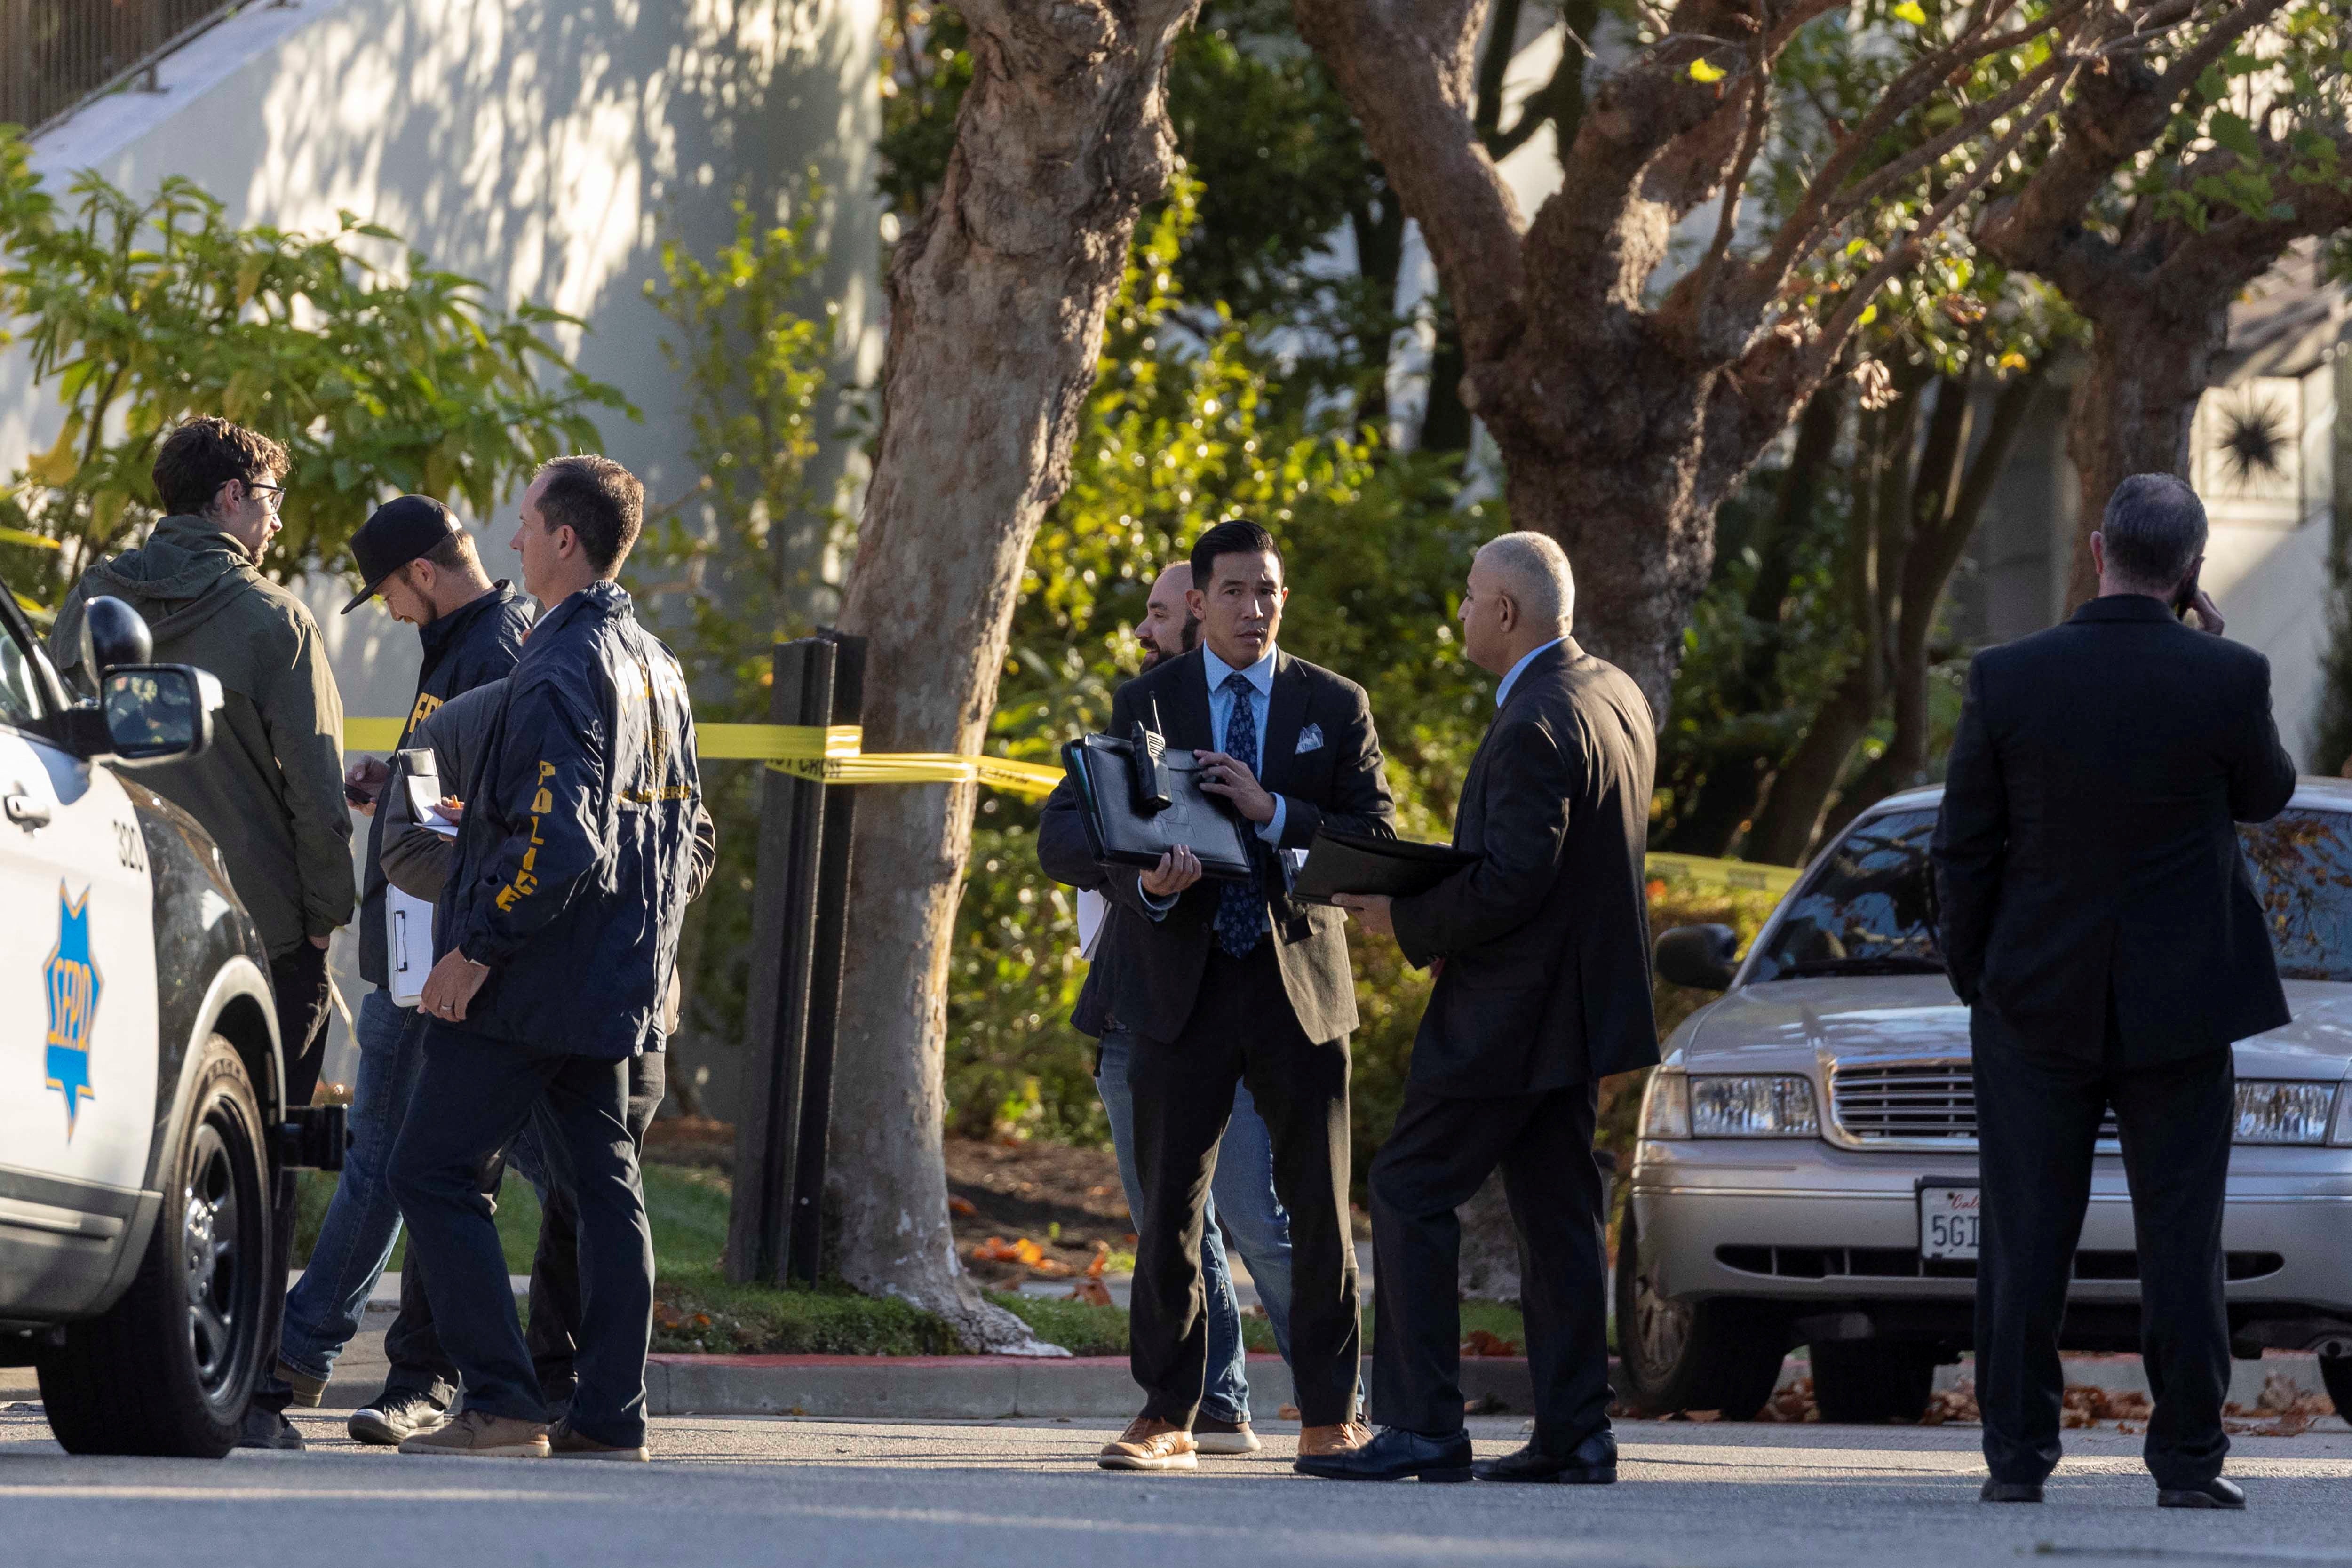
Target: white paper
x=1094, y=913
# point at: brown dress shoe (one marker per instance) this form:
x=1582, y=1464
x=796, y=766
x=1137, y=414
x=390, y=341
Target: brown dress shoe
x=1149, y=1444
x=1344, y=1437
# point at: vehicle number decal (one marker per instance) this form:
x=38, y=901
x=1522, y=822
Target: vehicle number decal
x=131, y=848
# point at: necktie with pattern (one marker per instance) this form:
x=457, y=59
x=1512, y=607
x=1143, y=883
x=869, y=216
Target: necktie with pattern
x=1241, y=906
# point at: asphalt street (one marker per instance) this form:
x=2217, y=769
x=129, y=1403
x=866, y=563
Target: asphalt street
x=1026, y=1494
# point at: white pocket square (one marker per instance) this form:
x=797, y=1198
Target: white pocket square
x=1310, y=739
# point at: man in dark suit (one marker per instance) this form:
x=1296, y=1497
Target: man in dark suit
x=1226, y=983
x=1543, y=989
x=2098, y=920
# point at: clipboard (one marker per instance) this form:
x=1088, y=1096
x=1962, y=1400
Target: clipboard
x=1352, y=863
x=408, y=920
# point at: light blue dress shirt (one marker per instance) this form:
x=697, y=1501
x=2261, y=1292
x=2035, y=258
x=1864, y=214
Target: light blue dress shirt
x=1503, y=693
x=1260, y=677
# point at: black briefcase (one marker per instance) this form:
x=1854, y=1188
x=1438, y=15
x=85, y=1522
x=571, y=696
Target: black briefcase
x=1134, y=816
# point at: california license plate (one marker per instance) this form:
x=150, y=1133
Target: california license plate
x=1948, y=1213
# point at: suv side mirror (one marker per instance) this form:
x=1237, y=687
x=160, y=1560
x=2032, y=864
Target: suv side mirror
x=158, y=712
x=112, y=634
x=1703, y=957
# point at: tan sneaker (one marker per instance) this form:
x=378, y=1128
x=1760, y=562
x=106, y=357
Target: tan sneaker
x=479, y=1435
x=563, y=1443
x=1211, y=1435
x=310, y=1392
x=1149, y=1444
x=1344, y=1437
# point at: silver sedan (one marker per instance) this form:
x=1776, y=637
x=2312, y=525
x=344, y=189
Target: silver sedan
x=1806, y=1168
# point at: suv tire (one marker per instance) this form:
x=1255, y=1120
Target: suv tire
x=1716, y=1355
x=1869, y=1381
x=171, y=1367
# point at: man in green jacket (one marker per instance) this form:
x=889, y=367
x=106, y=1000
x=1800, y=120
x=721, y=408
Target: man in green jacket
x=270, y=789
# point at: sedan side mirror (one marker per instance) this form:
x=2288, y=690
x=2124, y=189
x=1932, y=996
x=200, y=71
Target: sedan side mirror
x=1703, y=957
x=158, y=712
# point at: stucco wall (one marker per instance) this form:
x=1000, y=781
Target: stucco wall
x=544, y=146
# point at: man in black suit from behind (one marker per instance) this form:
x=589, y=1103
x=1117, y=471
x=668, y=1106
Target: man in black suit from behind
x=1543, y=989
x=1227, y=982
x=2098, y=919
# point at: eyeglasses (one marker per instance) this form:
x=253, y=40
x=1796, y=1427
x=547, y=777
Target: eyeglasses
x=273, y=496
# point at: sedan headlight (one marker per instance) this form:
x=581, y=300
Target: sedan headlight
x=1666, y=1105
x=1757, y=1107
x=2283, y=1112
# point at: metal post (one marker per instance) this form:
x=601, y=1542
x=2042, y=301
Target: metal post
x=804, y=1257
x=784, y=928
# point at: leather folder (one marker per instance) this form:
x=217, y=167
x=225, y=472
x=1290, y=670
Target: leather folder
x=1103, y=767
x=1351, y=863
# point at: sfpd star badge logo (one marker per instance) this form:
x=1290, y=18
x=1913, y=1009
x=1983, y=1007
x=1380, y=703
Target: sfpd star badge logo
x=73, y=987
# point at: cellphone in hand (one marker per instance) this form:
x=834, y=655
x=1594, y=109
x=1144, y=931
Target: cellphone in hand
x=357, y=796
x=2184, y=598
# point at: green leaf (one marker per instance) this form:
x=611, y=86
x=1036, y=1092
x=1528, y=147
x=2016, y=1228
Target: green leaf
x=2232, y=131
x=1909, y=11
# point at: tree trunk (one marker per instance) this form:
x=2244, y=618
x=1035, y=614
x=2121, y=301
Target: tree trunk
x=997, y=300
x=2150, y=361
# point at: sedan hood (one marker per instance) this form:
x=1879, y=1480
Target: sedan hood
x=1790, y=1026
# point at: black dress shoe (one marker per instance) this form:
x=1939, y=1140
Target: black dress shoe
x=2010, y=1492
x=1591, y=1463
x=2218, y=1492
x=269, y=1430
x=1392, y=1456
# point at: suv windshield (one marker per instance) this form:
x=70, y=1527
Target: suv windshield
x=1870, y=909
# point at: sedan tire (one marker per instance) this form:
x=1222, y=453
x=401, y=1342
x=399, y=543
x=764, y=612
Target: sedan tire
x=1716, y=1355
x=170, y=1369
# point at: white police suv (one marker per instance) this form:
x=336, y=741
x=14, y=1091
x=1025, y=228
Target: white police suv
x=142, y=1125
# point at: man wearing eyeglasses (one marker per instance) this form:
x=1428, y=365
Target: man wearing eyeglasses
x=270, y=789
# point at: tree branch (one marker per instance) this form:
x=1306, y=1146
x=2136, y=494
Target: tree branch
x=1405, y=66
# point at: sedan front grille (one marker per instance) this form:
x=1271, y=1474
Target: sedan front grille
x=1906, y=1102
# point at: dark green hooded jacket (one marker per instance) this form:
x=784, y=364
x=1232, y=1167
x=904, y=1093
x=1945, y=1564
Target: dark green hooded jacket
x=270, y=789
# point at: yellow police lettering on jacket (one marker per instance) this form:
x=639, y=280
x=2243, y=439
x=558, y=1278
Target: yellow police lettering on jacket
x=425, y=703
x=524, y=883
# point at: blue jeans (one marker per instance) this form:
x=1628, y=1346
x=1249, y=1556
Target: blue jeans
x=1241, y=1204
x=323, y=1311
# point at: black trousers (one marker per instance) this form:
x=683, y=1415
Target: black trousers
x=473, y=1097
x=2037, y=1117
x=418, y=1363
x=1440, y=1153
x=554, y=1333
x=1241, y=1031
x=298, y=986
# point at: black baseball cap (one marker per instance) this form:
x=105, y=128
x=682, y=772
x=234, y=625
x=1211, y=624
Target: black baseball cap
x=402, y=530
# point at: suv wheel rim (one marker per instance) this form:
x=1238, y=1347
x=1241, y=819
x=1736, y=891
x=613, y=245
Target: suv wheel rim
x=211, y=1235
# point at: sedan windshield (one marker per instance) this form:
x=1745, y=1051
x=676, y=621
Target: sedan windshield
x=1869, y=906
x=1868, y=909
x=2301, y=862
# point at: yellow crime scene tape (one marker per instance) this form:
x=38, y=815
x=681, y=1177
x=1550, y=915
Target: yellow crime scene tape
x=835, y=755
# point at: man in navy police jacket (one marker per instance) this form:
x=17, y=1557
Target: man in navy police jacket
x=556, y=936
